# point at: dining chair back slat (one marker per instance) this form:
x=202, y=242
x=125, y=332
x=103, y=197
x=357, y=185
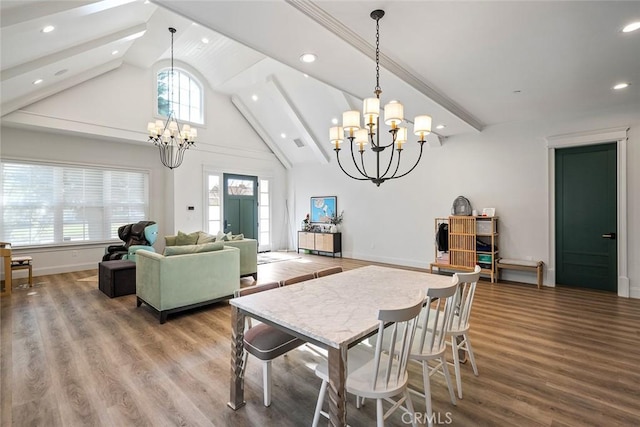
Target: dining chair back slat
x=297, y=279
x=328, y=271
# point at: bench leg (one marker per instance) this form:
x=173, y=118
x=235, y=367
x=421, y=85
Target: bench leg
x=539, y=276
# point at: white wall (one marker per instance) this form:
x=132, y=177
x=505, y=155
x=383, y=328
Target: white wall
x=504, y=167
x=55, y=147
x=103, y=121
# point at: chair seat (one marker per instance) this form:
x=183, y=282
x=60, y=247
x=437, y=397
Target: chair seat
x=360, y=365
x=266, y=342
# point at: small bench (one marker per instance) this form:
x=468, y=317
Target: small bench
x=522, y=265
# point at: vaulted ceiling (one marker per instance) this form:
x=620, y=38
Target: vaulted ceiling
x=467, y=64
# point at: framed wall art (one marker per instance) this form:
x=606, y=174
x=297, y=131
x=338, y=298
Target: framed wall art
x=322, y=209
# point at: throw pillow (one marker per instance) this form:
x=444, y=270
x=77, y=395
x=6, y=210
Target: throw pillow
x=193, y=249
x=238, y=237
x=205, y=237
x=186, y=239
x=221, y=236
x=170, y=240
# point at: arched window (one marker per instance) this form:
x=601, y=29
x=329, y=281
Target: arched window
x=186, y=97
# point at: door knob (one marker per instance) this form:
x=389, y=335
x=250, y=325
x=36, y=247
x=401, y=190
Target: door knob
x=611, y=236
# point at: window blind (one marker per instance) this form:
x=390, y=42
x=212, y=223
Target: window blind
x=45, y=204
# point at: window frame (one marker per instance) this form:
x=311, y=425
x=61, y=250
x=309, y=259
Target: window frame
x=60, y=206
x=193, y=79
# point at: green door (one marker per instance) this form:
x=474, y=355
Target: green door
x=586, y=217
x=241, y=205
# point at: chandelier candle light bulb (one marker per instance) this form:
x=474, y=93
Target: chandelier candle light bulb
x=359, y=137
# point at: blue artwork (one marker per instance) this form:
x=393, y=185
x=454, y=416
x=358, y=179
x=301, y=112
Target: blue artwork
x=322, y=209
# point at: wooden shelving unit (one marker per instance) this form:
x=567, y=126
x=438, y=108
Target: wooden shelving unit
x=472, y=240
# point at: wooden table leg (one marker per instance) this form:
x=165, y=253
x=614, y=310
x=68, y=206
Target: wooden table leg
x=337, y=387
x=236, y=396
x=6, y=254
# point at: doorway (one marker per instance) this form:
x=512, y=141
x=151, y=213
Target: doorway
x=586, y=216
x=240, y=205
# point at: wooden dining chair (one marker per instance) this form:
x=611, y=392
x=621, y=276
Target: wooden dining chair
x=265, y=342
x=328, y=271
x=430, y=343
x=380, y=374
x=297, y=279
x=459, y=330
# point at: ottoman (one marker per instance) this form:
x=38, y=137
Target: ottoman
x=117, y=278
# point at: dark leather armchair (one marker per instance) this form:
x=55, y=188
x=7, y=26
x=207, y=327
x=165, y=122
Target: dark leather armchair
x=142, y=233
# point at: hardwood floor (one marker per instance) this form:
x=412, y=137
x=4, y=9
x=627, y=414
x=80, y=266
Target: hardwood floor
x=71, y=356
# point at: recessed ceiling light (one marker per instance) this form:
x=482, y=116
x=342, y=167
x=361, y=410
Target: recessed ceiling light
x=441, y=126
x=115, y=52
x=37, y=82
x=621, y=86
x=307, y=57
x=334, y=121
x=254, y=97
x=631, y=27
x=205, y=40
x=61, y=72
x=283, y=135
x=48, y=29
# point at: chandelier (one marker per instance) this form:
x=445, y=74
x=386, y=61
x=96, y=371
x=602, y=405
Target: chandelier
x=170, y=137
x=370, y=133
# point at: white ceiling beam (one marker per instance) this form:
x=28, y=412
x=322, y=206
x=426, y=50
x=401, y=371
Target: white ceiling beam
x=126, y=34
x=280, y=96
x=32, y=11
x=38, y=10
x=45, y=92
x=262, y=133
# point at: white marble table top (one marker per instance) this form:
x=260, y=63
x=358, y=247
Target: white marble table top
x=342, y=308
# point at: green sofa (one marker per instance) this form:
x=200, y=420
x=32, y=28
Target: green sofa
x=248, y=251
x=175, y=283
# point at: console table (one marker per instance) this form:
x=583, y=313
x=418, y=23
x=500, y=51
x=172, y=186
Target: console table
x=330, y=243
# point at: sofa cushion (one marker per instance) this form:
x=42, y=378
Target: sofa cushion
x=205, y=238
x=170, y=240
x=193, y=249
x=186, y=239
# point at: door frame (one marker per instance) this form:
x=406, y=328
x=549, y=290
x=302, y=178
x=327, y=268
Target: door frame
x=220, y=170
x=618, y=135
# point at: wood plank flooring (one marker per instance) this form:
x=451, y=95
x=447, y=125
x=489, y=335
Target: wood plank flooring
x=71, y=356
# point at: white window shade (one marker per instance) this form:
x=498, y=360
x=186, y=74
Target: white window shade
x=44, y=204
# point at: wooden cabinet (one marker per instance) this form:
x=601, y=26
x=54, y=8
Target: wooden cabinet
x=471, y=240
x=330, y=243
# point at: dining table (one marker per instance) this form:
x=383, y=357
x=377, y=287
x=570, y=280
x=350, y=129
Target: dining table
x=334, y=312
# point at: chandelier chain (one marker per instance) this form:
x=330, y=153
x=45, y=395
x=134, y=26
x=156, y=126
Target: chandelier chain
x=377, y=88
x=171, y=78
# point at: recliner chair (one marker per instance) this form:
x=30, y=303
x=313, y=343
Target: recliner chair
x=140, y=235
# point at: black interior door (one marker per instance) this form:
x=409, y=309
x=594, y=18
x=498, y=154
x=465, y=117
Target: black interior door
x=586, y=216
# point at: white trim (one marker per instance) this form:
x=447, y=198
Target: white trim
x=618, y=135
